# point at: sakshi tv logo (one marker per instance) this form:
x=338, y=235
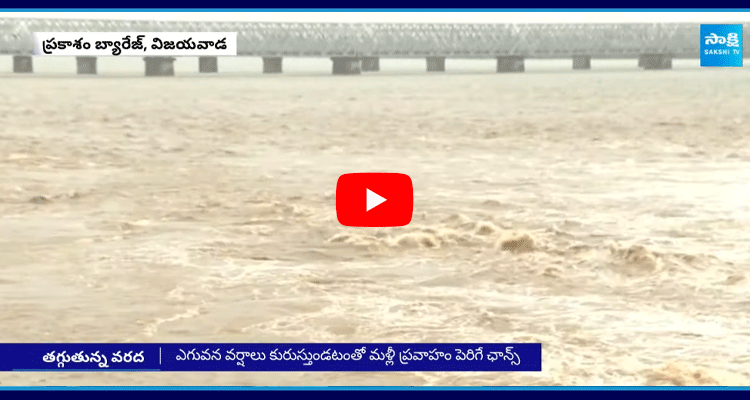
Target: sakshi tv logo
x=721, y=45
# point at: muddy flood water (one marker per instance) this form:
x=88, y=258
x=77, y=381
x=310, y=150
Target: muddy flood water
x=603, y=213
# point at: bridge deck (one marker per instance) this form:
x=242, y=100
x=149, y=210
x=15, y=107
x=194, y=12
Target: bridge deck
x=401, y=40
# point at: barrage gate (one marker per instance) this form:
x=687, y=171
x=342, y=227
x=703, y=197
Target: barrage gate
x=354, y=48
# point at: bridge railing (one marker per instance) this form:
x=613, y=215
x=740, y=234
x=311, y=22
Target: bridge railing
x=535, y=40
x=400, y=40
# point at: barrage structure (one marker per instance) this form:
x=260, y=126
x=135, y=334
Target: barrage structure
x=354, y=48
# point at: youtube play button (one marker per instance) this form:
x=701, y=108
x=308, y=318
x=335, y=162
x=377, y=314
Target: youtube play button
x=374, y=199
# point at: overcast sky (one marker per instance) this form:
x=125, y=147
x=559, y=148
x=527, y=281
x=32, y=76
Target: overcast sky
x=400, y=16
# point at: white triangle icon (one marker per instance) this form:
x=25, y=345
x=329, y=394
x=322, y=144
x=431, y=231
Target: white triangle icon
x=373, y=200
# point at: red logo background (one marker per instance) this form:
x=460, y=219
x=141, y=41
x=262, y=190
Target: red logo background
x=351, y=199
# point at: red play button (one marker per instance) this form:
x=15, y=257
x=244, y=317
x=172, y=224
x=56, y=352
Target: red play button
x=374, y=199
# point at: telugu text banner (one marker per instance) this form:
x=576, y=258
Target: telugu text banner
x=141, y=44
x=271, y=357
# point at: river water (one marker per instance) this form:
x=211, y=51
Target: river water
x=602, y=213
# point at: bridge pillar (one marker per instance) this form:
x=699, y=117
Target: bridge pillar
x=271, y=65
x=581, y=62
x=510, y=64
x=435, y=64
x=23, y=64
x=86, y=65
x=370, y=64
x=346, y=66
x=159, y=66
x=208, y=64
x=655, y=61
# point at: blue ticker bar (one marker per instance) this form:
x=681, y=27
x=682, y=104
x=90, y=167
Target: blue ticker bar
x=85, y=357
